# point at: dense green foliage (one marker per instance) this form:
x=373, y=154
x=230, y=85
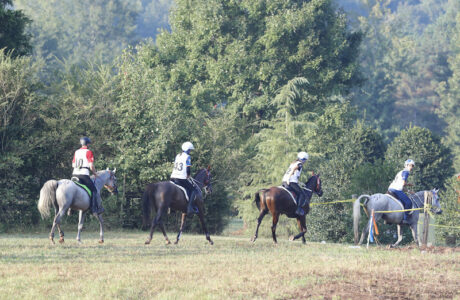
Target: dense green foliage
x=250, y=83
x=12, y=27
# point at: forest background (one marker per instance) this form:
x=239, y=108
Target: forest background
x=361, y=85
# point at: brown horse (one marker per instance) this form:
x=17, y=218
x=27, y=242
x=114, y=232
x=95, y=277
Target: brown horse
x=165, y=194
x=278, y=201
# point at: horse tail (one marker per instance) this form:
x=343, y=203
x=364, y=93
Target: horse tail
x=257, y=199
x=357, y=215
x=146, y=204
x=47, y=197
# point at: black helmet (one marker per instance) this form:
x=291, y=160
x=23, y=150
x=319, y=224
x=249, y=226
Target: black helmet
x=85, y=141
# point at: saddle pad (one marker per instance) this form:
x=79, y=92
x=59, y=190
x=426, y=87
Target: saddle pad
x=396, y=200
x=182, y=188
x=84, y=187
x=289, y=192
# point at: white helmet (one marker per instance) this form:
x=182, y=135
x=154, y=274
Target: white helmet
x=187, y=146
x=302, y=155
x=409, y=162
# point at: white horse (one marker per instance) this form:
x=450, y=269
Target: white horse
x=384, y=202
x=65, y=194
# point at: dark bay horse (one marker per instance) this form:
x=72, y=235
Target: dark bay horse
x=277, y=201
x=165, y=194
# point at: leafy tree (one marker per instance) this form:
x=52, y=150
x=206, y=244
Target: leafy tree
x=433, y=163
x=12, y=29
x=20, y=125
x=450, y=203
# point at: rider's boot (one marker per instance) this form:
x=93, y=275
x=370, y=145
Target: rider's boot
x=407, y=219
x=93, y=203
x=190, y=208
x=299, y=211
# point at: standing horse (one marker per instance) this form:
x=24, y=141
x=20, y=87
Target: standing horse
x=65, y=194
x=385, y=202
x=279, y=201
x=166, y=194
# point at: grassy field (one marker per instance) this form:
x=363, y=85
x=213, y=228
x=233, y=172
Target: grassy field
x=125, y=268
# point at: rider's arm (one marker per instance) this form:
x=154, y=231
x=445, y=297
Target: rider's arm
x=90, y=158
x=189, y=166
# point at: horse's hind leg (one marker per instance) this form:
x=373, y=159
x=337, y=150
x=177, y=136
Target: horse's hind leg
x=276, y=216
x=262, y=214
x=364, y=233
x=162, y=227
x=155, y=222
x=182, y=223
x=303, y=229
x=57, y=223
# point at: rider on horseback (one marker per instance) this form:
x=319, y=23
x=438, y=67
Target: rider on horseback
x=181, y=173
x=83, y=162
x=397, y=186
x=291, y=179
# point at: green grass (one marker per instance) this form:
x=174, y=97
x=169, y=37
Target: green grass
x=125, y=268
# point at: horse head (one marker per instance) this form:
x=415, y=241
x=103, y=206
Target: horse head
x=111, y=182
x=314, y=184
x=204, y=178
x=435, y=205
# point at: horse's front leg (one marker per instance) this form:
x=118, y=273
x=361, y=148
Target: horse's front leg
x=203, y=225
x=101, y=228
x=303, y=229
x=413, y=228
x=275, y=219
x=182, y=223
x=262, y=214
x=400, y=237
x=81, y=219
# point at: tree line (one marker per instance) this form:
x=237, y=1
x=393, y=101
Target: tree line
x=250, y=83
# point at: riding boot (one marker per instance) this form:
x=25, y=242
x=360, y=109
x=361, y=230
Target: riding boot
x=299, y=211
x=100, y=209
x=191, y=208
x=407, y=219
x=93, y=203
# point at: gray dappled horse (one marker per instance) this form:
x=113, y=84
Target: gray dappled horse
x=165, y=194
x=384, y=202
x=65, y=194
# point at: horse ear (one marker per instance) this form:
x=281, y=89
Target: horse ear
x=312, y=173
x=208, y=168
x=107, y=169
x=114, y=170
x=318, y=174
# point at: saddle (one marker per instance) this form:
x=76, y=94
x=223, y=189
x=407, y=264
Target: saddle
x=182, y=188
x=290, y=191
x=77, y=182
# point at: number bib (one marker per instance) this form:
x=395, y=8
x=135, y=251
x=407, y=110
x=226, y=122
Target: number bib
x=181, y=163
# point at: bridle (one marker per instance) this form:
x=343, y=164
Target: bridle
x=111, y=188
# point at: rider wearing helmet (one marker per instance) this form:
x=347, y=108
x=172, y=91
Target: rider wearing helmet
x=397, y=186
x=83, y=163
x=181, y=173
x=291, y=179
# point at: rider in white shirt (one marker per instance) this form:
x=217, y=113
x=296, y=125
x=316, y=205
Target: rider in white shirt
x=291, y=179
x=83, y=163
x=181, y=174
x=397, y=187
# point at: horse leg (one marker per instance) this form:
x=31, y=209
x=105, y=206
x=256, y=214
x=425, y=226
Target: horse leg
x=400, y=237
x=57, y=223
x=162, y=227
x=182, y=223
x=364, y=233
x=413, y=228
x=101, y=226
x=203, y=225
x=303, y=229
x=275, y=221
x=155, y=222
x=81, y=219
x=259, y=220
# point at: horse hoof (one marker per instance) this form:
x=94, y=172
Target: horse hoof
x=101, y=241
x=176, y=242
x=147, y=242
x=253, y=239
x=291, y=238
x=168, y=242
x=61, y=241
x=211, y=243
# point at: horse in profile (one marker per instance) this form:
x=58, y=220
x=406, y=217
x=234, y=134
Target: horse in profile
x=383, y=203
x=277, y=201
x=66, y=194
x=165, y=194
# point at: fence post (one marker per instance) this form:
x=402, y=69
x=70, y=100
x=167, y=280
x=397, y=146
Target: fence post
x=426, y=219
